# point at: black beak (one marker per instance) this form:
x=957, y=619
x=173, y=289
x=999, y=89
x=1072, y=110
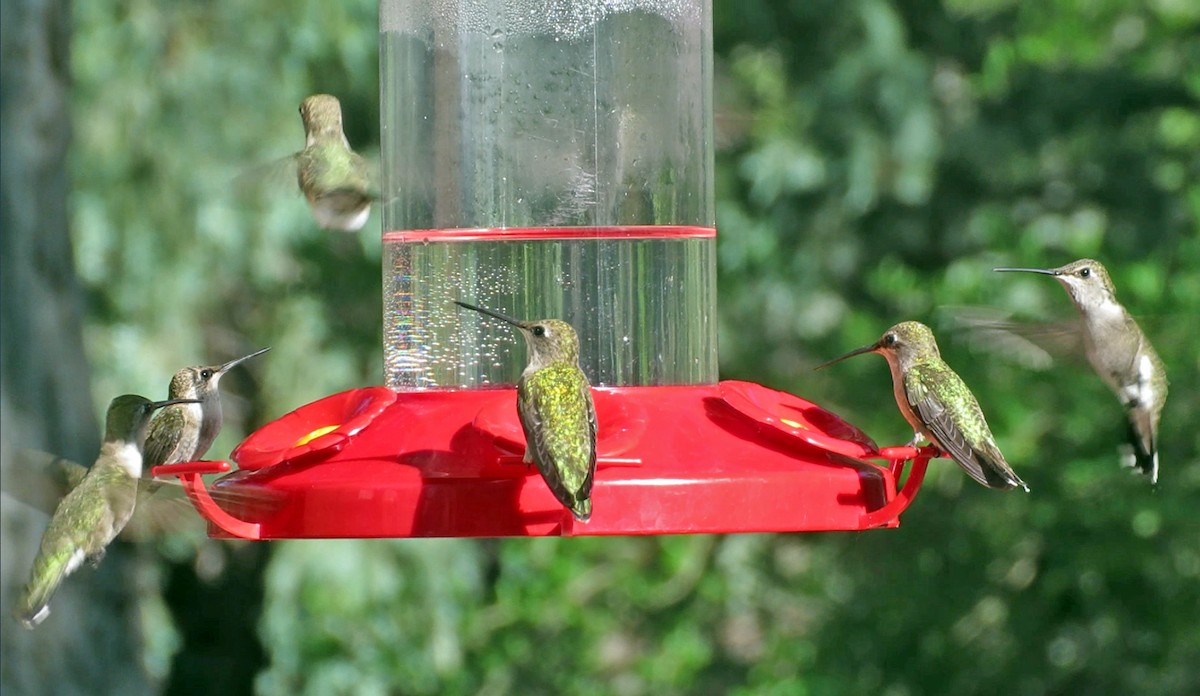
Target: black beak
x=1043, y=271
x=155, y=405
x=502, y=317
x=236, y=361
x=857, y=351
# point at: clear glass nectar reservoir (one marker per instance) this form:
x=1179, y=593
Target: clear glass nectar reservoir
x=548, y=161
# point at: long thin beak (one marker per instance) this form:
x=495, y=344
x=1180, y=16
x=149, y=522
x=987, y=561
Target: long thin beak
x=1043, y=271
x=236, y=361
x=857, y=351
x=502, y=317
x=155, y=405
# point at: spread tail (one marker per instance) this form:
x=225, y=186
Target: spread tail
x=1145, y=454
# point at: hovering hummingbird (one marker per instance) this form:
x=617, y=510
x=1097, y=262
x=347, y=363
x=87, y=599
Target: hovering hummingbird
x=335, y=179
x=1119, y=352
x=554, y=403
x=183, y=433
x=938, y=405
x=96, y=510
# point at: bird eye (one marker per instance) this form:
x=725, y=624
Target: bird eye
x=889, y=340
x=1085, y=272
x=539, y=331
x=206, y=374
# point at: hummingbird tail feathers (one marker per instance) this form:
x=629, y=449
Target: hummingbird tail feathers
x=30, y=618
x=1144, y=459
x=582, y=509
x=35, y=602
x=48, y=574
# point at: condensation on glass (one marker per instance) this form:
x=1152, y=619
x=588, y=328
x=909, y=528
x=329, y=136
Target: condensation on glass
x=548, y=160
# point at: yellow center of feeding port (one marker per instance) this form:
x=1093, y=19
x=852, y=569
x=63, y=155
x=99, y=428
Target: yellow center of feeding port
x=315, y=434
x=791, y=423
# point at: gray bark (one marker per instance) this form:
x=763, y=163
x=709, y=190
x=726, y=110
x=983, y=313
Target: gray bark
x=89, y=643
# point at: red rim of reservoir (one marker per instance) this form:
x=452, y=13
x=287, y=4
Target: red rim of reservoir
x=527, y=234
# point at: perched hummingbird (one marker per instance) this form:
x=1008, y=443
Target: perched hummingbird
x=334, y=178
x=184, y=433
x=938, y=405
x=96, y=509
x=1119, y=351
x=554, y=403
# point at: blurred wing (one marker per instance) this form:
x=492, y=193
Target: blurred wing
x=163, y=508
x=276, y=178
x=367, y=173
x=40, y=479
x=1034, y=345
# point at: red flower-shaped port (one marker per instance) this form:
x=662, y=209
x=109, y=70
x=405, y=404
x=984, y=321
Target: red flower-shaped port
x=315, y=431
x=796, y=418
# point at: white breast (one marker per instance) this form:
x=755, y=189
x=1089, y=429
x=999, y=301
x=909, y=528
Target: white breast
x=128, y=456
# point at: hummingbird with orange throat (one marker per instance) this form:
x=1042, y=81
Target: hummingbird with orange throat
x=938, y=405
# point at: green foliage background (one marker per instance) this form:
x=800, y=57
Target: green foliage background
x=875, y=160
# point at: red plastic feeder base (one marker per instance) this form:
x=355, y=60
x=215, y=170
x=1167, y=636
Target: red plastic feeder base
x=730, y=457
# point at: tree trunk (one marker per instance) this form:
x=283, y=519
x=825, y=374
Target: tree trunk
x=89, y=643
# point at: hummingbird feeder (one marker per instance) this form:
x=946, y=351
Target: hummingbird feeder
x=551, y=164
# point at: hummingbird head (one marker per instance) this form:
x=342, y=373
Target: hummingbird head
x=901, y=345
x=129, y=415
x=201, y=382
x=322, y=116
x=1086, y=281
x=549, y=340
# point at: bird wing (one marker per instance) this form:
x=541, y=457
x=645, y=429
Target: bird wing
x=366, y=174
x=1036, y=345
x=984, y=463
x=40, y=479
x=165, y=441
x=586, y=395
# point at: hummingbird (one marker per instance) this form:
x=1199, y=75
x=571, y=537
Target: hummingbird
x=183, y=433
x=554, y=404
x=938, y=405
x=1119, y=351
x=335, y=179
x=95, y=511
